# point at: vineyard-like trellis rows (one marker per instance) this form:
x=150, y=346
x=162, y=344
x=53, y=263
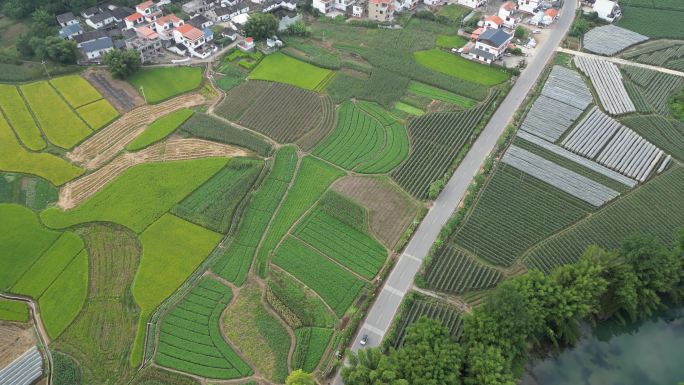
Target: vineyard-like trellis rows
x=607, y=81
x=436, y=140
x=569, y=181
x=449, y=316
x=454, y=271
x=655, y=87
x=665, y=133
x=514, y=212
x=650, y=210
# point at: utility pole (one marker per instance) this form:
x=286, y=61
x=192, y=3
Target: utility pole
x=45, y=68
x=142, y=91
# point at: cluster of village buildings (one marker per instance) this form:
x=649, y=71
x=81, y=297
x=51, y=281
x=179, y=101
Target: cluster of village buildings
x=149, y=31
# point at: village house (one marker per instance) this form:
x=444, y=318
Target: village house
x=221, y=14
x=100, y=19
x=67, y=19
x=381, y=10
x=192, y=38
x=90, y=12
x=323, y=6
x=95, y=49
x=507, y=13
x=608, y=10
x=145, y=41
x=493, y=22
x=246, y=45
x=359, y=9
x=71, y=30
x=550, y=15
x=402, y=5
x=490, y=45
x=272, y=5
x=529, y=6
x=165, y=25
x=89, y=36
x=472, y=3
x=135, y=20
x=200, y=21
x=149, y=10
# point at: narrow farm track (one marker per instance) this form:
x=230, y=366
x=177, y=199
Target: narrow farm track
x=40, y=328
x=399, y=282
x=75, y=192
x=106, y=143
x=458, y=303
x=621, y=61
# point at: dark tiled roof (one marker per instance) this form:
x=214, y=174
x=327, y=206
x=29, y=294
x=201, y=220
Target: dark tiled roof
x=70, y=30
x=99, y=44
x=121, y=12
x=482, y=54
x=100, y=17
x=494, y=35
x=65, y=17
x=197, y=21
x=88, y=36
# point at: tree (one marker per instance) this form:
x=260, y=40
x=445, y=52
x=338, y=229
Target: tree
x=261, y=26
x=60, y=50
x=300, y=377
x=520, y=32
x=487, y=366
x=298, y=28
x=122, y=64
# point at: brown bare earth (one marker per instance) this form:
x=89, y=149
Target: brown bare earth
x=120, y=93
x=105, y=144
x=77, y=191
x=15, y=339
x=390, y=215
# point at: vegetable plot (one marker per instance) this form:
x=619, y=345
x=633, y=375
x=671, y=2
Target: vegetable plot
x=607, y=81
x=454, y=271
x=610, y=39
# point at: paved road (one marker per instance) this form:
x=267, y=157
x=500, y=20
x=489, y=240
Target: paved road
x=621, y=61
x=401, y=278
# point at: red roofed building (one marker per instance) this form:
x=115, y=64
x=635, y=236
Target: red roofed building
x=193, y=39
x=149, y=10
x=381, y=10
x=507, y=12
x=166, y=24
x=549, y=16
x=493, y=22
x=134, y=20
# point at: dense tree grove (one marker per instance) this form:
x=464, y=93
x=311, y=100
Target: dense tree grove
x=261, y=26
x=533, y=310
x=19, y=9
x=122, y=64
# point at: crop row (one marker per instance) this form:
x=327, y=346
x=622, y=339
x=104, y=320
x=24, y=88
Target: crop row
x=654, y=87
x=436, y=140
x=449, y=316
x=311, y=344
x=240, y=98
x=630, y=154
x=327, y=124
x=649, y=210
x=208, y=127
x=345, y=244
x=345, y=210
x=513, y=212
x=456, y=272
x=190, y=338
x=610, y=39
x=560, y=177
x=313, y=179
x=665, y=133
x=235, y=260
x=284, y=113
x=607, y=80
x=434, y=93
x=338, y=287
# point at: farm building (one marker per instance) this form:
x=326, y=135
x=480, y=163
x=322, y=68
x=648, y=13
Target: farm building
x=493, y=22
x=473, y=3
x=507, y=12
x=490, y=45
x=608, y=10
x=149, y=10
x=100, y=20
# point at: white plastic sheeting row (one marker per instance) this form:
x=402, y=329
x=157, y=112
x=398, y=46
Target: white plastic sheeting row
x=24, y=370
x=611, y=39
x=607, y=80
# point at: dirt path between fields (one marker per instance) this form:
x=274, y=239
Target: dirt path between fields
x=106, y=143
x=77, y=191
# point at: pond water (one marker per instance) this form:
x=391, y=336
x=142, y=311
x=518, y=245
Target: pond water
x=647, y=353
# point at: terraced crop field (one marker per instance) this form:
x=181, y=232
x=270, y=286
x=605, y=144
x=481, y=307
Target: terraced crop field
x=454, y=271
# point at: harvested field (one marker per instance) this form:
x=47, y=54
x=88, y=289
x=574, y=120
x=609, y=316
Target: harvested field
x=610, y=39
x=75, y=192
x=607, y=81
x=285, y=113
x=105, y=144
x=15, y=339
x=240, y=98
x=562, y=100
x=389, y=216
x=119, y=92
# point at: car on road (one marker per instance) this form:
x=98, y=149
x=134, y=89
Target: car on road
x=364, y=340
x=537, y=31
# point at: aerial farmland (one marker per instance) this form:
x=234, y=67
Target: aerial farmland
x=204, y=202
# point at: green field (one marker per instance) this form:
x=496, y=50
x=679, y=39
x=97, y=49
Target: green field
x=159, y=84
x=14, y=157
x=236, y=259
x=649, y=210
x=140, y=195
x=160, y=129
x=302, y=302
x=23, y=240
x=342, y=242
x=258, y=335
x=454, y=12
x=449, y=41
x=98, y=114
x=311, y=344
x=460, y=68
x=313, y=178
x=52, y=262
x=366, y=143
x=654, y=23
x=281, y=68
x=211, y=128
x=76, y=90
x=435, y=93
x=20, y=118
x=190, y=338
x=59, y=122
x=172, y=250
x=409, y=109
x=63, y=300
x=27, y=190
x=13, y=311
x=337, y=286
x=514, y=212
x=213, y=204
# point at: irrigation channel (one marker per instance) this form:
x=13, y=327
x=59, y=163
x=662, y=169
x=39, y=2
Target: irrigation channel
x=644, y=353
